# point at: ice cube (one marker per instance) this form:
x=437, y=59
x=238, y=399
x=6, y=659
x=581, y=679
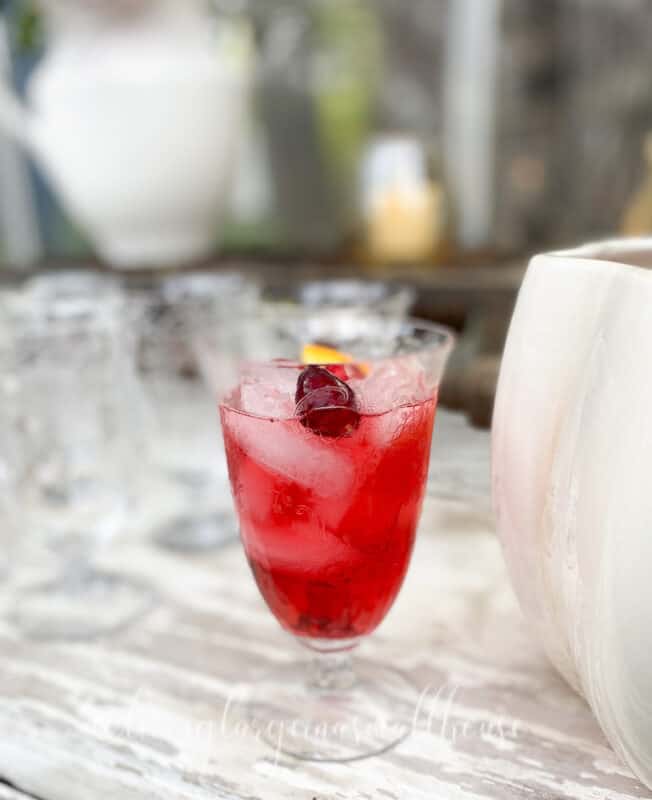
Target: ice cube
x=293, y=452
x=392, y=383
x=387, y=427
x=303, y=542
x=308, y=549
x=270, y=393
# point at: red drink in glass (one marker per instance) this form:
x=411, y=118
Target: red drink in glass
x=328, y=462
x=328, y=524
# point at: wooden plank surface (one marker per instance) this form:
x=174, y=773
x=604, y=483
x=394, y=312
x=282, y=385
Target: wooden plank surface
x=156, y=711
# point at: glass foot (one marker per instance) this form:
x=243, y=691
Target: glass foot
x=329, y=711
x=197, y=534
x=94, y=605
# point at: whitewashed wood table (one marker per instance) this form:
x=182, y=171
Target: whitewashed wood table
x=154, y=712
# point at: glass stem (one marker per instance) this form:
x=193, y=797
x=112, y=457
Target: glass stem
x=332, y=671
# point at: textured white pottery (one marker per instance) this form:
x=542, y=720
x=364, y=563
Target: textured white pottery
x=572, y=476
x=136, y=121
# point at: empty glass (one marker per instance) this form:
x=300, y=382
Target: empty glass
x=182, y=425
x=348, y=295
x=66, y=448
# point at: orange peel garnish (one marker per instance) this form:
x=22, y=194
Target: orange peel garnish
x=324, y=354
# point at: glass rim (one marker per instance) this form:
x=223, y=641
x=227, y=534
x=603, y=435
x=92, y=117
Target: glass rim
x=445, y=341
x=374, y=291
x=440, y=345
x=59, y=302
x=20, y=327
x=199, y=285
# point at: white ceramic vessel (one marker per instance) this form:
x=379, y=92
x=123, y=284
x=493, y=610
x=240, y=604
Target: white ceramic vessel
x=135, y=117
x=572, y=446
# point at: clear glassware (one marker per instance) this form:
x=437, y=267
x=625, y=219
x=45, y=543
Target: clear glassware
x=64, y=289
x=66, y=447
x=328, y=466
x=183, y=426
x=345, y=295
x=85, y=294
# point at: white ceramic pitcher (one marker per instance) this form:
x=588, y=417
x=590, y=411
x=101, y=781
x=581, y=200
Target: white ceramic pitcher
x=572, y=448
x=134, y=113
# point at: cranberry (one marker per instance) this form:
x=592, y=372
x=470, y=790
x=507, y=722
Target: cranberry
x=326, y=404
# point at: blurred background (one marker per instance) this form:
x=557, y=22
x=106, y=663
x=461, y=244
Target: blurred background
x=172, y=167
x=436, y=143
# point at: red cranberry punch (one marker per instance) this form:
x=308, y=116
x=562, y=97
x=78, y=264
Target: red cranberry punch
x=328, y=448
